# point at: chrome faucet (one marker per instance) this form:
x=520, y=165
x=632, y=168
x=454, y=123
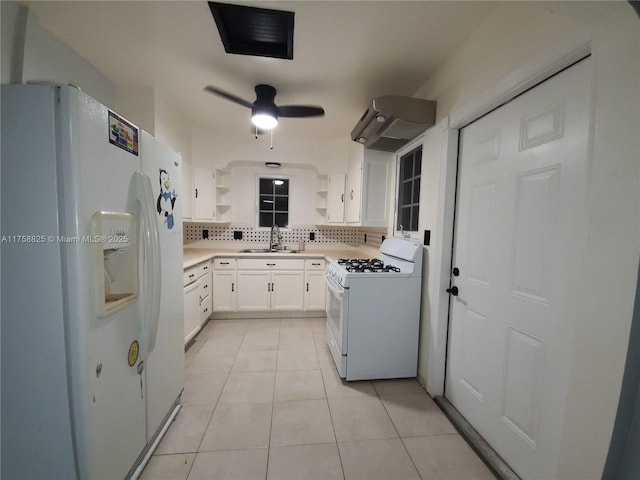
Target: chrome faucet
x=275, y=237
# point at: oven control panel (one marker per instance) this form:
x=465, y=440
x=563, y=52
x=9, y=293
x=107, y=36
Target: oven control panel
x=336, y=272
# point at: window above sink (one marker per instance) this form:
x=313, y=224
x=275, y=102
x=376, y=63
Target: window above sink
x=273, y=202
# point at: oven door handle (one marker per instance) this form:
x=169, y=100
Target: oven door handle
x=335, y=287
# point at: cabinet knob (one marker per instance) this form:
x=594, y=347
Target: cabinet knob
x=453, y=291
x=233, y=286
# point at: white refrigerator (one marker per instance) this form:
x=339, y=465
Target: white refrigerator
x=92, y=355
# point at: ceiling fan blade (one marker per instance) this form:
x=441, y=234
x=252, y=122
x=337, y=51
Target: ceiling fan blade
x=228, y=96
x=300, y=111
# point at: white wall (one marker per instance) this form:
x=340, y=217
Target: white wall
x=137, y=103
x=214, y=150
x=302, y=193
x=518, y=39
x=12, y=32
x=32, y=54
x=303, y=161
x=172, y=127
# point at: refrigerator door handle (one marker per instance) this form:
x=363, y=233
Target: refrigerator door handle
x=151, y=240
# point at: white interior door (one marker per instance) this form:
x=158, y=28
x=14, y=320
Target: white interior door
x=520, y=213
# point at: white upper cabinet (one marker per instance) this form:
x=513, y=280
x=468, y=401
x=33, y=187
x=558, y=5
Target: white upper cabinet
x=204, y=203
x=376, y=182
x=187, y=191
x=367, y=189
x=335, y=198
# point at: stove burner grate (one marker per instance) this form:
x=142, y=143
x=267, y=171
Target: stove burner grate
x=365, y=265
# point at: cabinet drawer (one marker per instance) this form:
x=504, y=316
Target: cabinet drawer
x=190, y=275
x=224, y=263
x=314, y=264
x=205, y=309
x=205, y=285
x=270, y=264
x=204, y=268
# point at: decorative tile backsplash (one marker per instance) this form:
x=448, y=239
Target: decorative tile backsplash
x=323, y=235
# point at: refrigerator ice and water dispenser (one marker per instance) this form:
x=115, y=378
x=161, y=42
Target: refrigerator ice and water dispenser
x=115, y=239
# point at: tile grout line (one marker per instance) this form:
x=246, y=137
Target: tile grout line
x=273, y=402
x=217, y=400
x=330, y=415
x=397, y=431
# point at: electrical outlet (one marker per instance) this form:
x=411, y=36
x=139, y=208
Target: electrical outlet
x=205, y=233
x=427, y=237
x=237, y=234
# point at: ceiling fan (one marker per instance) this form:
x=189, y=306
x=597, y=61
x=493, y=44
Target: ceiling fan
x=264, y=111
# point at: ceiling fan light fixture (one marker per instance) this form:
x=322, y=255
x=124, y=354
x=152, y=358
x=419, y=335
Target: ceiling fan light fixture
x=264, y=121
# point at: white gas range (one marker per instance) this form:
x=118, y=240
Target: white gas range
x=373, y=312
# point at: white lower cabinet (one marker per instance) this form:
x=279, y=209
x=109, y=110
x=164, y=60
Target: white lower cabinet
x=268, y=284
x=224, y=285
x=266, y=290
x=254, y=290
x=224, y=291
x=286, y=290
x=315, y=291
x=197, y=298
x=315, y=286
x=205, y=298
x=191, y=310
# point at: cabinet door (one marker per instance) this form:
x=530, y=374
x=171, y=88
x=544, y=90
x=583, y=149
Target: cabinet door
x=335, y=198
x=287, y=292
x=204, y=204
x=375, y=190
x=187, y=192
x=315, y=290
x=254, y=291
x=352, y=191
x=224, y=291
x=191, y=310
x=205, y=298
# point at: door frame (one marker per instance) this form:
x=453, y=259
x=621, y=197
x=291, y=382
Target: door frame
x=531, y=74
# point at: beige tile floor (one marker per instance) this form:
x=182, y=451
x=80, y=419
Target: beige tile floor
x=263, y=400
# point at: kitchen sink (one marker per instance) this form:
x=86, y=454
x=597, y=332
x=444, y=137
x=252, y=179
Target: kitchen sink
x=267, y=250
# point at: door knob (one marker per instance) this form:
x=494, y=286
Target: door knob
x=453, y=291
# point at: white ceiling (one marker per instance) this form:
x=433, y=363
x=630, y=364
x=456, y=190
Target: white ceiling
x=345, y=53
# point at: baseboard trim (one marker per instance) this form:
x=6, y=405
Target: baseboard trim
x=487, y=454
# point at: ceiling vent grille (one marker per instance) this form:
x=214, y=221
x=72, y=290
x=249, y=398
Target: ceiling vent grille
x=254, y=31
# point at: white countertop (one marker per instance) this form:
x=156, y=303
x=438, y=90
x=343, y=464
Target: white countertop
x=193, y=256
